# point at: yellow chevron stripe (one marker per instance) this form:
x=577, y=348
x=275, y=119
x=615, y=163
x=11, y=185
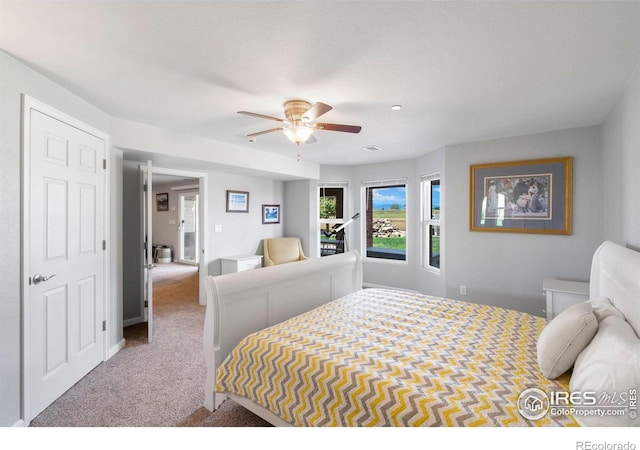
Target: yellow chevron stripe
x=322, y=394
x=401, y=404
x=381, y=395
x=400, y=359
x=307, y=375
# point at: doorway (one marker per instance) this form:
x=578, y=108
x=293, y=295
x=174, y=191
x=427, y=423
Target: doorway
x=160, y=249
x=175, y=235
x=188, y=227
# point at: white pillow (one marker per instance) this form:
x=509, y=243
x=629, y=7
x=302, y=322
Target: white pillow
x=609, y=365
x=603, y=308
x=564, y=338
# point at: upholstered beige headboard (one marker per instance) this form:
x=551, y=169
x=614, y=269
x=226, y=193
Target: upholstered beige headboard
x=615, y=274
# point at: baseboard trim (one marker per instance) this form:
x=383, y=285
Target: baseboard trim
x=133, y=321
x=20, y=423
x=116, y=348
x=380, y=286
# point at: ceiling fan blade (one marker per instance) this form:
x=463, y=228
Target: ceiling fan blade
x=264, y=132
x=312, y=140
x=338, y=127
x=262, y=116
x=317, y=110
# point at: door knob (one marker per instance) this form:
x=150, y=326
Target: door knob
x=37, y=278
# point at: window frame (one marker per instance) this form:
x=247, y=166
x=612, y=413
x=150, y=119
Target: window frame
x=427, y=221
x=323, y=185
x=391, y=182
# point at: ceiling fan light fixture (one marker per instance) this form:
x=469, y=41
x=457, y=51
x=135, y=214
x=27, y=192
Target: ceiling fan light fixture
x=298, y=133
x=299, y=122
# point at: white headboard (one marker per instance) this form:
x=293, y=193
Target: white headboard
x=615, y=274
x=239, y=304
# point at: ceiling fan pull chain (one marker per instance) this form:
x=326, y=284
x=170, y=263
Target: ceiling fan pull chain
x=298, y=154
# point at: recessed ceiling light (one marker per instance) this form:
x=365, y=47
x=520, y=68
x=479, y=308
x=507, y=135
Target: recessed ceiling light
x=396, y=107
x=373, y=148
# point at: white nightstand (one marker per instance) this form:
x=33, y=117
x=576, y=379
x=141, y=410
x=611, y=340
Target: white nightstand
x=561, y=294
x=240, y=263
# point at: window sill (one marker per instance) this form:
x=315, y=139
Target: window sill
x=432, y=270
x=385, y=255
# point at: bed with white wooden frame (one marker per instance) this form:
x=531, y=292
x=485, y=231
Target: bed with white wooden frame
x=242, y=303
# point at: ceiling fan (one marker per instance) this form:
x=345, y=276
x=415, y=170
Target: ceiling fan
x=299, y=123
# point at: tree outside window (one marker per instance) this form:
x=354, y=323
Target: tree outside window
x=331, y=204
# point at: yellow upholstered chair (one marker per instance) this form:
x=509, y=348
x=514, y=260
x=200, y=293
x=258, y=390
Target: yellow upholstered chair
x=282, y=250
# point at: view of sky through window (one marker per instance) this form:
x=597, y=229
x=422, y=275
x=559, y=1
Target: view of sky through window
x=384, y=198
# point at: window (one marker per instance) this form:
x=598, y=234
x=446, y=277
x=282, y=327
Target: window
x=331, y=215
x=431, y=231
x=386, y=219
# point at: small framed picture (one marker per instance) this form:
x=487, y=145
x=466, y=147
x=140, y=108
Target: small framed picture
x=162, y=202
x=270, y=213
x=237, y=201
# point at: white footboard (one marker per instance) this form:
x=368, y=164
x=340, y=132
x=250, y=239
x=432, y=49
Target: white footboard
x=239, y=304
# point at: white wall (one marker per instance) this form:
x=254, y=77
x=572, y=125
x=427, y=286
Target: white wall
x=242, y=233
x=507, y=269
x=300, y=214
x=133, y=244
x=621, y=166
x=17, y=79
x=202, y=151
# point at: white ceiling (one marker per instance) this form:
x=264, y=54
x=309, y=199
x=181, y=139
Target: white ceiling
x=463, y=71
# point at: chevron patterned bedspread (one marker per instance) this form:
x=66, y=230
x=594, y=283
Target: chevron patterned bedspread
x=389, y=358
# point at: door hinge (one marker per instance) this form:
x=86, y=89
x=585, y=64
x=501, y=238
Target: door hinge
x=104, y=244
x=104, y=164
x=104, y=325
x=145, y=188
x=146, y=304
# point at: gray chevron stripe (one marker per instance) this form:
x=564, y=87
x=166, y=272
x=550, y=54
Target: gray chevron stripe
x=354, y=361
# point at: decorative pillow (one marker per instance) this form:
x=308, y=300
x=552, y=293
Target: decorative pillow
x=603, y=308
x=564, y=338
x=610, y=367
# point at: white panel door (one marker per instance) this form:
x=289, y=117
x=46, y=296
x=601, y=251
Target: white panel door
x=66, y=261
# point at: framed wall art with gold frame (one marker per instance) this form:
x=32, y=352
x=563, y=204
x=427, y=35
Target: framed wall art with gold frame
x=531, y=196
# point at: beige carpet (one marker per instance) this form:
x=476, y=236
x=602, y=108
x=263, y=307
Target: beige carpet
x=160, y=384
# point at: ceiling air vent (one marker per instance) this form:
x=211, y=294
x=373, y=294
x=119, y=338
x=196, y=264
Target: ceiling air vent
x=373, y=148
